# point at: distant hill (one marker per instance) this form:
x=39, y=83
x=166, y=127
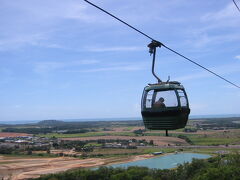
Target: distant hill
x=50, y=123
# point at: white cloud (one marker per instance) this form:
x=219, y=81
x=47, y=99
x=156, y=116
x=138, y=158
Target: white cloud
x=193, y=76
x=17, y=106
x=7, y=76
x=51, y=10
x=116, y=68
x=228, y=12
x=116, y=48
x=227, y=68
x=216, y=27
x=36, y=22
x=44, y=67
x=238, y=94
x=18, y=41
x=202, y=39
x=220, y=70
x=198, y=107
x=229, y=86
x=86, y=62
x=237, y=57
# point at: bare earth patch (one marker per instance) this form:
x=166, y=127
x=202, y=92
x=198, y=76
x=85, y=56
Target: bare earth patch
x=16, y=169
x=24, y=168
x=7, y=134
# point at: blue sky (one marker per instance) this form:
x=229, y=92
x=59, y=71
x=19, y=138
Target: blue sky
x=66, y=59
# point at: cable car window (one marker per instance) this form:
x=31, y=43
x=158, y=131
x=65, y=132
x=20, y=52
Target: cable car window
x=183, y=99
x=148, y=102
x=167, y=98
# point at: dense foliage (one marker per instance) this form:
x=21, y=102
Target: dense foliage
x=186, y=139
x=221, y=168
x=29, y=130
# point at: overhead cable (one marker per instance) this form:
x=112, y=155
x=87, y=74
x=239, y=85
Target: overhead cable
x=162, y=44
x=236, y=5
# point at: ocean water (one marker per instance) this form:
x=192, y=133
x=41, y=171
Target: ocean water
x=164, y=162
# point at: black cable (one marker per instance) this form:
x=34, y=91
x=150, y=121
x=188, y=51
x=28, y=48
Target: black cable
x=162, y=44
x=120, y=20
x=201, y=66
x=236, y=5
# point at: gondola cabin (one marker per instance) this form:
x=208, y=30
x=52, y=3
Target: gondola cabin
x=165, y=106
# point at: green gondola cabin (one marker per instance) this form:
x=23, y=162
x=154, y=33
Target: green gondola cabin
x=175, y=111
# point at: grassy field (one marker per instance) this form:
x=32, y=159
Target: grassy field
x=35, y=154
x=105, y=153
x=213, y=141
x=208, y=137
x=215, y=138
x=218, y=138
x=192, y=150
x=93, y=144
x=212, y=151
x=128, y=129
x=88, y=134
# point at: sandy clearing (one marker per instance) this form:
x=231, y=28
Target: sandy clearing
x=54, y=167
x=34, y=167
x=6, y=134
x=158, y=140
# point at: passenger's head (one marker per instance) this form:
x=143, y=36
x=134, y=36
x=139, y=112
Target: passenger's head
x=161, y=99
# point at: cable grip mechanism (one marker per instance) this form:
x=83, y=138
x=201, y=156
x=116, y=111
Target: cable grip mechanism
x=153, y=45
x=152, y=50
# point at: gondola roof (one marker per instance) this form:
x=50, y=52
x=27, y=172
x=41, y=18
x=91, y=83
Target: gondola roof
x=164, y=86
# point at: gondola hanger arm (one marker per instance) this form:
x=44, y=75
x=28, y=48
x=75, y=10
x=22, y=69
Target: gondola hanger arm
x=152, y=50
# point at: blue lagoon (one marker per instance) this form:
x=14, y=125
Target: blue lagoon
x=164, y=162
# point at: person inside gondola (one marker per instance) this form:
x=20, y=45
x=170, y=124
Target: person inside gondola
x=160, y=103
